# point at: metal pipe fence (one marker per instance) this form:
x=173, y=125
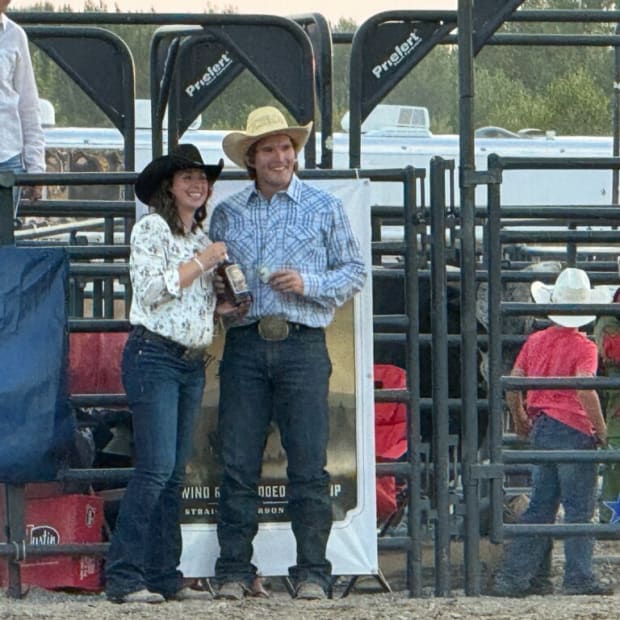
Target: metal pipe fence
x=109, y=260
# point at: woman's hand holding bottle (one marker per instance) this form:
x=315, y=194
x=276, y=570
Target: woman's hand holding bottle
x=212, y=255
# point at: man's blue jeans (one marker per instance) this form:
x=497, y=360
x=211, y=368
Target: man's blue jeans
x=571, y=484
x=164, y=392
x=287, y=381
x=15, y=164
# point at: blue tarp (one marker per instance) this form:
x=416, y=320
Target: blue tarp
x=36, y=423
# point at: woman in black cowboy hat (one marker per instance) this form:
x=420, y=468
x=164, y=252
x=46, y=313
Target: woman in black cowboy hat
x=163, y=367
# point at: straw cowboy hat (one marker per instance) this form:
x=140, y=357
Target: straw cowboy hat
x=572, y=286
x=181, y=157
x=262, y=122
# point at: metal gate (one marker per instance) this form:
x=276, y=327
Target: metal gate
x=505, y=228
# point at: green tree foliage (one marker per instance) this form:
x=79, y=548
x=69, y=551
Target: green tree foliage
x=529, y=97
x=578, y=106
x=340, y=78
x=524, y=110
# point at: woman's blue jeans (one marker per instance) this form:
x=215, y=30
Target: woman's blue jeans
x=287, y=381
x=164, y=392
x=571, y=484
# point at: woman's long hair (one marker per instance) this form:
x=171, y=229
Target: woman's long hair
x=162, y=202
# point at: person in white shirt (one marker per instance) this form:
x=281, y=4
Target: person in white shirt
x=22, y=142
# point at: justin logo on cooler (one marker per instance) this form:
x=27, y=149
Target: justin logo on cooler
x=43, y=535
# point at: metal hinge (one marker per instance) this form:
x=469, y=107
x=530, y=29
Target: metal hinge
x=473, y=178
x=489, y=471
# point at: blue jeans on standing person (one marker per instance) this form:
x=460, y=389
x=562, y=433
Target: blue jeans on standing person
x=15, y=164
x=571, y=484
x=164, y=392
x=287, y=381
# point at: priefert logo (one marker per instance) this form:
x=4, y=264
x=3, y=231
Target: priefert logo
x=210, y=74
x=401, y=51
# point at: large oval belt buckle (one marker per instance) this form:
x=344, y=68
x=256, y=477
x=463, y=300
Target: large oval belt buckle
x=273, y=328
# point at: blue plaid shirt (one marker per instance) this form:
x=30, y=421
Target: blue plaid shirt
x=303, y=228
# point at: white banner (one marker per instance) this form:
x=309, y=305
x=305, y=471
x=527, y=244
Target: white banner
x=352, y=547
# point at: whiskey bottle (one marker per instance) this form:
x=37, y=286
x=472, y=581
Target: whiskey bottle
x=236, y=287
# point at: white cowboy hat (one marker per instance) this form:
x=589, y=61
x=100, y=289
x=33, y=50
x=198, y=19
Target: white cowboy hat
x=572, y=286
x=262, y=122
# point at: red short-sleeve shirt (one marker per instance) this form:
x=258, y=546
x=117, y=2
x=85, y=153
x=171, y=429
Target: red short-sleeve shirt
x=558, y=352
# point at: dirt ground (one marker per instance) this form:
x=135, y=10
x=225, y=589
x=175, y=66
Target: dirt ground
x=367, y=601
x=357, y=606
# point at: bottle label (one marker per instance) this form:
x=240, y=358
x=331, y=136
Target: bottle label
x=236, y=278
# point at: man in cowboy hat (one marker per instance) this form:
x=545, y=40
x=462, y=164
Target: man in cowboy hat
x=558, y=419
x=301, y=260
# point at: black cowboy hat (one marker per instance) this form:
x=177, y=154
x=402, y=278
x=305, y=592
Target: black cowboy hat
x=181, y=157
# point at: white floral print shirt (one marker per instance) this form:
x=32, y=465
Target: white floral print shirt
x=184, y=315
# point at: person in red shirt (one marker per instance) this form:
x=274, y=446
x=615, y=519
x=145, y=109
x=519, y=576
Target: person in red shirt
x=557, y=419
